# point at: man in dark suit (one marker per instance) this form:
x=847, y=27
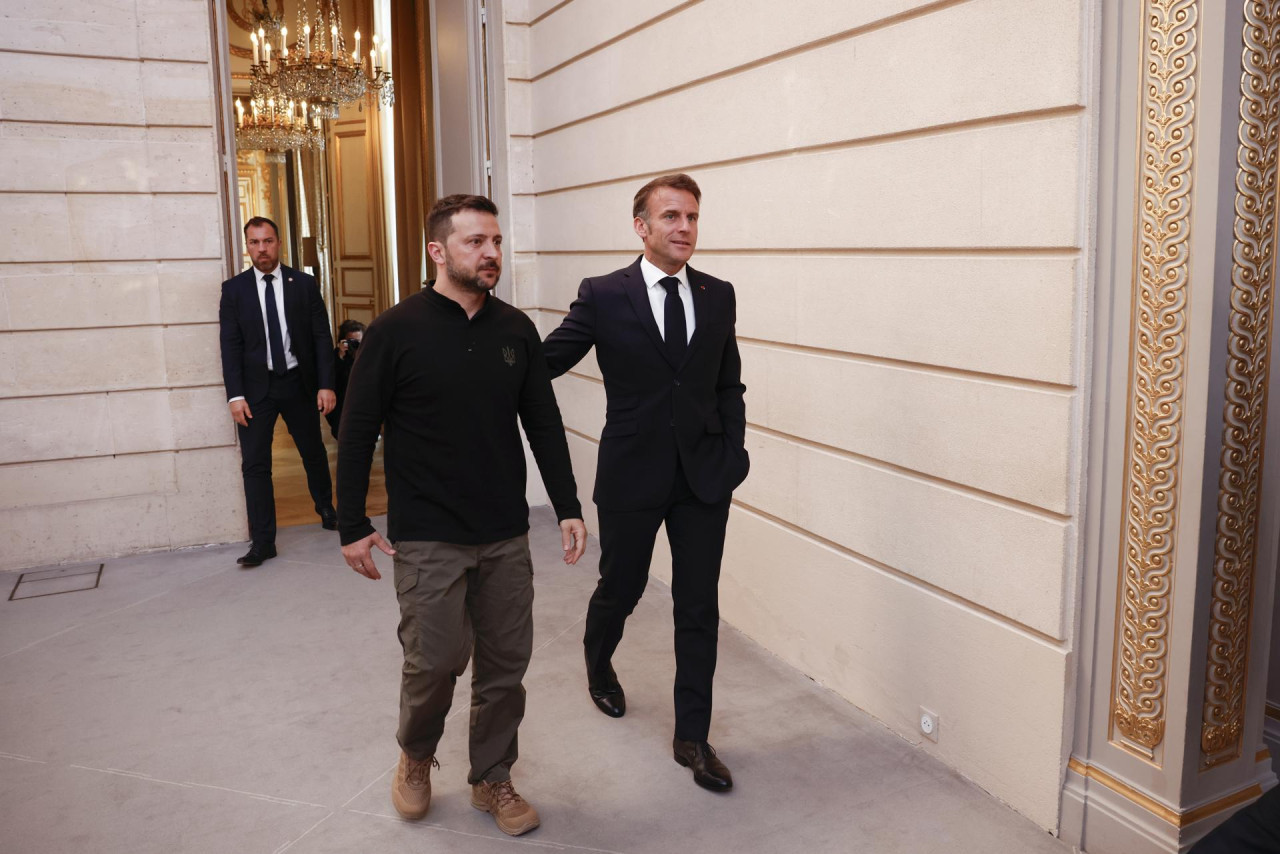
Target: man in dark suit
x=672, y=450
x=277, y=360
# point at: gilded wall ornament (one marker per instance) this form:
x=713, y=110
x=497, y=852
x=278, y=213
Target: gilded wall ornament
x=1245, y=413
x=1157, y=363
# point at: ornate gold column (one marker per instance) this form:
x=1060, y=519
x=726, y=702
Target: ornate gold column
x=1245, y=414
x=1156, y=374
x=1181, y=534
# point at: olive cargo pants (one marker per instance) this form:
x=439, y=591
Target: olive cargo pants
x=453, y=599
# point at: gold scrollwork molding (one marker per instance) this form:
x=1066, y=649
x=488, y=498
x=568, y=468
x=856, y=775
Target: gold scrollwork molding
x=1245, y=413
x=1157, y=365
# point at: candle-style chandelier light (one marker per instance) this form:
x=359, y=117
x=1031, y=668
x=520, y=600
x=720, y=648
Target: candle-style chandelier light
x=319, y=69
x=275, y=124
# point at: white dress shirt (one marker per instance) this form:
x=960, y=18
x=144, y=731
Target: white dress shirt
x=277, y=285
x=658, y=296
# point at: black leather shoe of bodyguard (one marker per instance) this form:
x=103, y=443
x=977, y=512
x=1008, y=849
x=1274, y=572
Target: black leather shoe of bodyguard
x=607, y=694
x=329, y=519
x=258, y=552
x=708, y=771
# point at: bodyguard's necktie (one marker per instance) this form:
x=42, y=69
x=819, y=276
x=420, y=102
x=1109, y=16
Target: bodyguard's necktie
x=675, y=331
x=274, y=336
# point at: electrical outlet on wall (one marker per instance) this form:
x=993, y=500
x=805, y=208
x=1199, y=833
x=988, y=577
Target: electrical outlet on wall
x=929, y=723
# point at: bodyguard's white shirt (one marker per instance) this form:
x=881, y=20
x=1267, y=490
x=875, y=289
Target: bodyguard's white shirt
x=277, y=285
x=658, y=296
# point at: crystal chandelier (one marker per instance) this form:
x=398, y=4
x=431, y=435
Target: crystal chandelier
x=275, y=125
x=320, y=69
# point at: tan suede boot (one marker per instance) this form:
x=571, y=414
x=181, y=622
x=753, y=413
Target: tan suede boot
x=411, y=787
x=512, y=813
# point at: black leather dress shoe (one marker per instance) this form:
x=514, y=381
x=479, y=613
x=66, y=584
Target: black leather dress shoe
x=329, y=519
x=708, y=771
x=607, y=694
x=258, y=552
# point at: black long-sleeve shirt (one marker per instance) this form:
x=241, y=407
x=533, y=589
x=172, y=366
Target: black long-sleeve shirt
x=445, y=391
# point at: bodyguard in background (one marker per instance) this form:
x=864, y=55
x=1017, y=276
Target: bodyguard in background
x=277, y=360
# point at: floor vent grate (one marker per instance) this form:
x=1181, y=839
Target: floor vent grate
x=51, y=582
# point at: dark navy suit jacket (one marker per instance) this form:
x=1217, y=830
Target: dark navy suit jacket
x=244, y=337
x=658, y=412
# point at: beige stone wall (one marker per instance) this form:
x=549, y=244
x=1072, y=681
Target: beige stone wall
x=114, y=435
x=898, y=190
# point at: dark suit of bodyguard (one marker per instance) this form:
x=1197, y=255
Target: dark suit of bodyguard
x=276, y=363
x=672, y=450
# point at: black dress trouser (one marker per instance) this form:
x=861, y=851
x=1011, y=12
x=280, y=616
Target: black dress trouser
x=287, y=398
x=695, y=531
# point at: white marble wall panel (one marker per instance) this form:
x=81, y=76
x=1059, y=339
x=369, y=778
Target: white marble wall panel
x=91, y=294
x=1012, y=316
x=91, y=529
x=170, y=419
x=81, y=360
x=178, y=93
x=208, y=506
x=190, y=291
x=41, y=429
x=58, y=296
x=35, y=87
x=47, y=227
x=174, y=29
x=51, y=159
x=114, y=431
x=101, y=28
x=529, y=11
x=580, y=27
x=994, y=436
x=709, y=38
x=851, y=89
x=1002, y=558
x=69, y=481
x=55, y=428
x=892, y=647
x=1012, y=185
x=191, y=509
x=192, y=355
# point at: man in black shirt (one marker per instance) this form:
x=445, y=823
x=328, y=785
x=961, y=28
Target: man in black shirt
x=444, y=375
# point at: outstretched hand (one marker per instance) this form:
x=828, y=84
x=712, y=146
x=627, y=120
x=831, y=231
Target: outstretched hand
x=359, y=555
x=573, y=536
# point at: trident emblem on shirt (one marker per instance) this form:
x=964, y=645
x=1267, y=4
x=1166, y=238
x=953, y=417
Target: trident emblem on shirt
x=509, y=356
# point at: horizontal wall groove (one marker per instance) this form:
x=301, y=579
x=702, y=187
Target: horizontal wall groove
x=4, y=192
x=821, y=251
x=550, y=12
x=883, y=465
x=844, y=35
x=51, y=262
x=910, y=580
x=943, y=129
x=113, y=326
x=903, y=577
x=156, y=452
x=913, y=474
x=888, y=361
x=644, y=25
x=95, y=392
x=918, y=367
x=143, y=125
x=59, y=55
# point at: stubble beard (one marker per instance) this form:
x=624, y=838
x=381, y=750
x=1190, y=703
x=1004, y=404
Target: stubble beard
x=469, y=280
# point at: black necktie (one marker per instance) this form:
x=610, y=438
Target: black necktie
x=274, y=337
x=675, y=331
